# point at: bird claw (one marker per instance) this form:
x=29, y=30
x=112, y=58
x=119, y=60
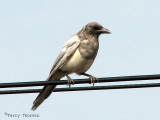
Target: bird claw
x=70, y=81
x=93, y=80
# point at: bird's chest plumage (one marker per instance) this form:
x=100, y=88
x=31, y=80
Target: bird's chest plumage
x=77, y=64
x=89, y=48
x=82, y=59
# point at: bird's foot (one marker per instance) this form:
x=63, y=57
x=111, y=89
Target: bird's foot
x=92, y=78
x=70, y=81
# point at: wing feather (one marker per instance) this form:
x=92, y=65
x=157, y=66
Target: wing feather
x=67, y=51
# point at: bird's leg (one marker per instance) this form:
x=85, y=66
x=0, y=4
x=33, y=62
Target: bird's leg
x=92, y=78
x=70, y=81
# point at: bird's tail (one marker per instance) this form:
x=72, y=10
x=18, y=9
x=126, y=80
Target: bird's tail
x=47, y=90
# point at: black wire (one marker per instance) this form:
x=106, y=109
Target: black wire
x=80, y=81
x=83, y=88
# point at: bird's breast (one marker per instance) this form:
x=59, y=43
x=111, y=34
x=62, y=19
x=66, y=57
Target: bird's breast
x=77, y=63
x=89, y=48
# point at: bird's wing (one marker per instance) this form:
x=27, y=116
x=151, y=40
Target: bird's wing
x=67, y=51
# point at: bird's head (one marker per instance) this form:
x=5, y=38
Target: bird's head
x=95, y=28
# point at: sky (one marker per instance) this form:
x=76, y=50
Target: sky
x=32, y=33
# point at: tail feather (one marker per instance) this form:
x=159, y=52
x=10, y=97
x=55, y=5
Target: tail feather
x=45, y=93
x=48, y=89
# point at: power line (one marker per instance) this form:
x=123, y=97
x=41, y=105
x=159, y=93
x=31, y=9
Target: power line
x=84, y=88
x=81, y=81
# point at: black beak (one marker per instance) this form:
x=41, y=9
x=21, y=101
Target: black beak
x=103, y=30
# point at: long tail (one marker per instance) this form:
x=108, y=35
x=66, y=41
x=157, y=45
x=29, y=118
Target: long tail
x=47, y=90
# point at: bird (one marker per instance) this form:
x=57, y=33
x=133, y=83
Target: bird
x=76, y=56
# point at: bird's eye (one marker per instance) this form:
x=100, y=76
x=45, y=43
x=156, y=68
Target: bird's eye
x=96, y=28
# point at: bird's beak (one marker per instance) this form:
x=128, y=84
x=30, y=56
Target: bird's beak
x=104, y=30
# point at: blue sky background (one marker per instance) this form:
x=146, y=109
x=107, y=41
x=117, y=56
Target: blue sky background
x=32, y=33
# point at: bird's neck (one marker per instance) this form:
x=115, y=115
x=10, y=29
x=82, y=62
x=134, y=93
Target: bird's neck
x=89, y=45
x=84, y=35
